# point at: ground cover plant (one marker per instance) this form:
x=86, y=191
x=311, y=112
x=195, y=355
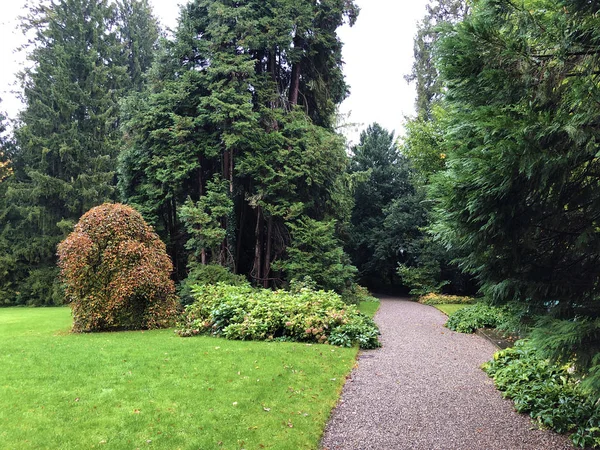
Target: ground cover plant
x=444, y=299
x=549, y=393
x=152, y=389
x=471, y=318
x=242, y=312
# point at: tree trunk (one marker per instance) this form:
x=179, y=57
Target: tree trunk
x=258, y=248
x=272, y=64
x=295, y=84
x=225, y=171
x=242, y=223
x=268, y=252
x=231, y=172
x=296, y=70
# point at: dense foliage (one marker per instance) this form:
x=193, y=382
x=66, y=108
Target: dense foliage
x=116, y=272
x=387, y=209
x=238, y=116
x=471, y=318
x=243, y=312
x=84, y=55
x=431, y=268
x=201, y=274
x=519, y=199
x=424, y=72
x=316, y=253
x=5, y=150
x=548, y=392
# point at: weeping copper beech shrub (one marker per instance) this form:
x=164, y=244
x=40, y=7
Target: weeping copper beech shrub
x=116, y=272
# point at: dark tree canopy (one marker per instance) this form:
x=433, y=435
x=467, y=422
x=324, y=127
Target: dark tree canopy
x=386, y=215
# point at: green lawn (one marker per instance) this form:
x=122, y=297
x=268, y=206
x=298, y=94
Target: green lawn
x=450, y=308
x=156, y=390
x=368, y=308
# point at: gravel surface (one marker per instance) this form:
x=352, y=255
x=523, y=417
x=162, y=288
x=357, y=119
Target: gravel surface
x=424, y=389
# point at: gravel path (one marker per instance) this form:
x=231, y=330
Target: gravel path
x=424, y=390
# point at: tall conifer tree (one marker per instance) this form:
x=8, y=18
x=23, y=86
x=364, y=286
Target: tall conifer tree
x=521, y=197
x=84, y=55
x=246, y=91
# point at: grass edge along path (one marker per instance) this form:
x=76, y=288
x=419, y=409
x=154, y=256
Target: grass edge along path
x=154, y=389
x=450, y=308
x=369, y=308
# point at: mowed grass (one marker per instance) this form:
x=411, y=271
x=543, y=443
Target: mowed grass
x=154, y=389
x=368, y=308
x=451, y=308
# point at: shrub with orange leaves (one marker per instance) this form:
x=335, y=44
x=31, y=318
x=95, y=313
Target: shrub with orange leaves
x=116, y=272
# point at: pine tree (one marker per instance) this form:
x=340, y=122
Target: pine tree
x=6, y=150
x=68, y=135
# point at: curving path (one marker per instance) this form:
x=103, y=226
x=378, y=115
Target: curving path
x=424, y=390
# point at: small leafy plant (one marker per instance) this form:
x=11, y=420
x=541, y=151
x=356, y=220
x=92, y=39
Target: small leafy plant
x=548, y=392
x=207, y=274
x=242, y=312
x=479, y=315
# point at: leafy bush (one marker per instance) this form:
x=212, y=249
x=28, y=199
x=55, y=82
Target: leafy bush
x=356, y=294
x=207, y=274
x=442, y=299
x=316, y=252
x=116, y=272
x=548, y=392
x=242, y=312
x=469, y=319
x=422, y=280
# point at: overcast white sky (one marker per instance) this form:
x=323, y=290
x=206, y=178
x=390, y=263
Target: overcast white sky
x=377, y=55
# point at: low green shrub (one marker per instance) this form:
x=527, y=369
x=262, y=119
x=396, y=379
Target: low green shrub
x=470, y=318
x=242, y=312
x=207, y=274
x=548, y=392
x=442, y=299
x=356, y=294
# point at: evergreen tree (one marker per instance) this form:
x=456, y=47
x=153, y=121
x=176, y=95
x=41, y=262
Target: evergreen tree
x=424, y=72
x=429, y=266
x=6, y=149
x=246, y=91
x=521, y=196
x=83, y=59
x=381, y=227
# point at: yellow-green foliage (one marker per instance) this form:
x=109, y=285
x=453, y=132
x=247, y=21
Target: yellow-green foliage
x=241, y=312
x=442, y=299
